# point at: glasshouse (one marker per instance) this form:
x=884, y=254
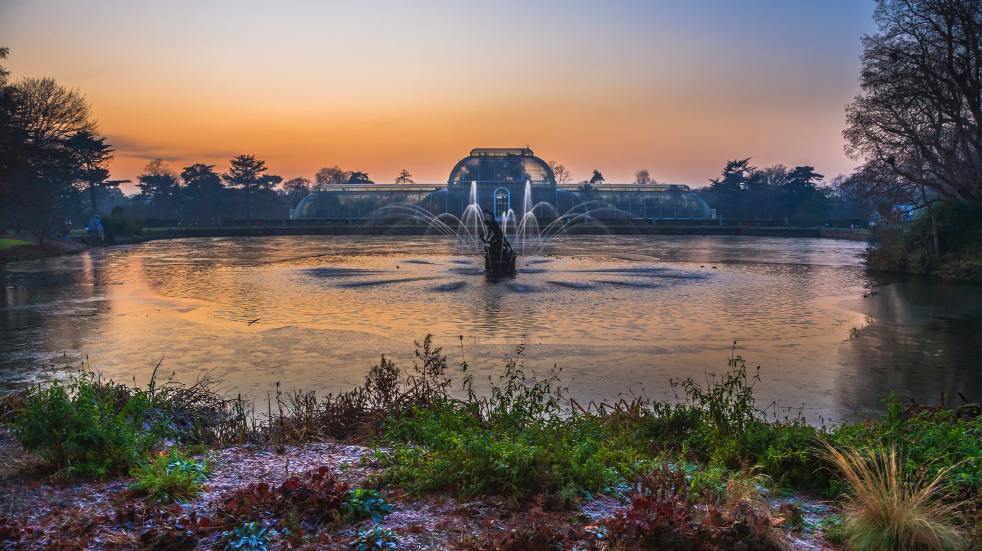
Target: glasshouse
x=506, y=182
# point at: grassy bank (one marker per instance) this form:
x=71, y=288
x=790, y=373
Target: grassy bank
x=704, y=473
x=18, y=249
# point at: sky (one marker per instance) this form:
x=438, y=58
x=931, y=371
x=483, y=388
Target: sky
x=675, y=87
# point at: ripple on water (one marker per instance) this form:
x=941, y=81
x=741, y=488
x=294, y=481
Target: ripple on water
x=342, y=272
x=449, y=287
x=380, y=282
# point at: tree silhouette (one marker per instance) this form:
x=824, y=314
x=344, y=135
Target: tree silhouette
x=38, y=167
x=918, y=120
x=246, y=173
x=296, y=189
x=203, y=191
x=358, y=177
x=92, y=153
x=330, y=176
x=643, y=178
x=50, y=112
x=158, y=184
x=597, y=177
x=561, y=173
x=800, y=191
x=404, y=177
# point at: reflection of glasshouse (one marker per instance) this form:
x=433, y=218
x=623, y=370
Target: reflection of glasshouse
x=506, y=182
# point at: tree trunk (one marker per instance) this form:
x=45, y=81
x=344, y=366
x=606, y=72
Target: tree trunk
x=935, y=242
x=92, y=197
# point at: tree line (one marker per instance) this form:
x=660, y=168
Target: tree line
x=200, y=194
x=779, y=195
x=54, y=169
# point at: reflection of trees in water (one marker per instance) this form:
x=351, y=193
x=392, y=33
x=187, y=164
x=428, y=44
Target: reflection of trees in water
x=46, y=314
x=924, y=340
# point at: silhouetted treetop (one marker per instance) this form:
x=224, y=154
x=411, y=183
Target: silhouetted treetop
x=919, y=116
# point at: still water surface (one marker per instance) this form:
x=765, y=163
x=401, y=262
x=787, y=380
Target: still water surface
x=620, y=315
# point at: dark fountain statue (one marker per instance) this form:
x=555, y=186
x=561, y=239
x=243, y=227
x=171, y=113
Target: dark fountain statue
x=499, y=258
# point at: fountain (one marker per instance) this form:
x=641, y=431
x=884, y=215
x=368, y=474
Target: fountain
x=499, y=257
x=495, y=233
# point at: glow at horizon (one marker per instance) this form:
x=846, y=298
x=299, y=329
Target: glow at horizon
x=380, y=86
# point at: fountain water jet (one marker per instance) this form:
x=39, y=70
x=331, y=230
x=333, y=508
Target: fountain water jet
x=478, y=227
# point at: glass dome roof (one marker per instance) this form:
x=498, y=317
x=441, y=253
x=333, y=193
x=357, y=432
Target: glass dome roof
x=501, y=166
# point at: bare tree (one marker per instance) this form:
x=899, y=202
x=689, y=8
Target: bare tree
x=404, y=177
x=39, y=165
x=48, y=111
x=296, y=189
x=331, y=176
x=563, y=175
x=158, y=183
x=918, y=120
x=642, y=178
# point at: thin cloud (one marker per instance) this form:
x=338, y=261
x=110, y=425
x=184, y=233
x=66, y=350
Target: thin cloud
x=130, y=146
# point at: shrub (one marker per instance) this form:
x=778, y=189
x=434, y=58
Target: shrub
x=909, y=247
x=446, y=446
x=891, y=507
x=312, y=499
x=361, y=504
x=375, y=538
x=663, y=515
x=118, y=223
x=169, y=477
x=95, y=428
x=87, y=428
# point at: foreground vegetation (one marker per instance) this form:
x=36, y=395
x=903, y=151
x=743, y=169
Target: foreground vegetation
x=695, y=474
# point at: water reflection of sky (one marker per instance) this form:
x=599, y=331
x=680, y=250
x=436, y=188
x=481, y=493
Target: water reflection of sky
x=619, y=315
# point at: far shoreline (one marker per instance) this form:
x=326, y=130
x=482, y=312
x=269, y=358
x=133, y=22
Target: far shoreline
x=271, y=228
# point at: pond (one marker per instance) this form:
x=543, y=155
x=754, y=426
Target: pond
x=621, y=316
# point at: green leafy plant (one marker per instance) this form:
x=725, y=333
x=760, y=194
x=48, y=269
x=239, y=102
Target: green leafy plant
x=249, y=536
x=170, y=477
x=833, y=529
x=375, y=538
x=362, y=504
x=88, y=427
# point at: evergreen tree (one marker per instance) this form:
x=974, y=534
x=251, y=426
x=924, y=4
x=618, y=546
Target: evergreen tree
x=92, y=154
x=247, y=174
x=204, y=192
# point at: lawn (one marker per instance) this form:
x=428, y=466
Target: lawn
x=11, y=243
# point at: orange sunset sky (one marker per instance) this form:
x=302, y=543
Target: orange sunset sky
x=674, y=87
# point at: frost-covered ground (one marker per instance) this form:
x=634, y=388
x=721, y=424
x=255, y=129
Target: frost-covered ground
x=45, y=512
